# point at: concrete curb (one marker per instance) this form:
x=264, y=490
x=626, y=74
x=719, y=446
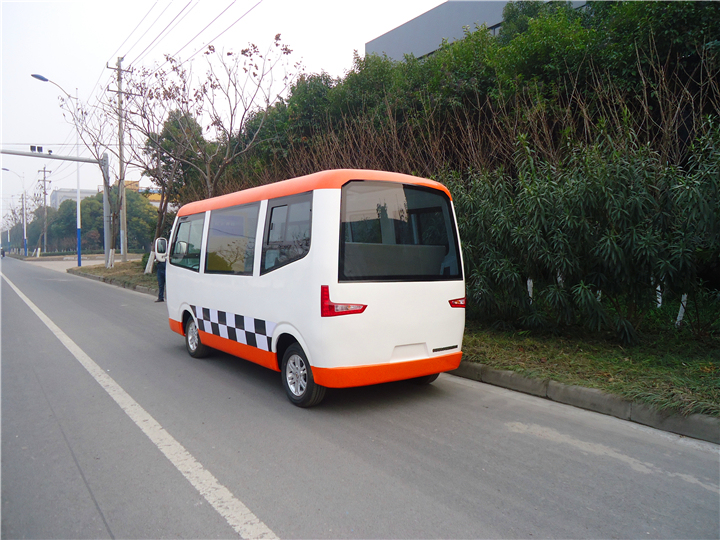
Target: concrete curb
x=697, y=426
x=116, y=282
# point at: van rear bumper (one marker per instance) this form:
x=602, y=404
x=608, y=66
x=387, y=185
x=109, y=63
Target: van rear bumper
x=347, y=377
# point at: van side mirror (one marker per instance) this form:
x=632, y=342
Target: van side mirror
x=160, y=245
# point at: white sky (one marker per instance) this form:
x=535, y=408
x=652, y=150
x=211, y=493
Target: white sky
x=71, y=43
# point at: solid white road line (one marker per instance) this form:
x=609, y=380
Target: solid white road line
x=238, y=516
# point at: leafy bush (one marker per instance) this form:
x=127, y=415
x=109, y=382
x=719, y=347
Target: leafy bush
x=596, y=235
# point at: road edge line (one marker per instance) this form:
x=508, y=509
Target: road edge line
x=237, y=515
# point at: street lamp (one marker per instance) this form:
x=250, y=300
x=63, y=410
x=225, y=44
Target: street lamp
x=22, y=179
x=77, y=153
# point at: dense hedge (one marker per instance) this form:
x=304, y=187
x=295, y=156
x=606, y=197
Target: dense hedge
x=596, y=234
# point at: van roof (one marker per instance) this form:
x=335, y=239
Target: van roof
x=333, y=179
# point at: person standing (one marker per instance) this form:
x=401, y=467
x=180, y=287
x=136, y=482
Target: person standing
x=160, y=258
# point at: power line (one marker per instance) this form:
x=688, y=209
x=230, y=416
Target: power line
x=228, y=28
x=131, y=33
x=139, y=59
x=201, y=31
x=146, y=31
x=206, y=27
x=123, y=43
x=165, y=29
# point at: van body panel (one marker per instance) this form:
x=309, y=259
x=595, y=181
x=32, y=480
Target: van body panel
x=347, y=377
x=415, y=316
x=176, y=326
x=247, y=352
x=408, y=329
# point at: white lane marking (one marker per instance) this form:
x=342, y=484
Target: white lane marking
x=238, y=516
x=602, y=450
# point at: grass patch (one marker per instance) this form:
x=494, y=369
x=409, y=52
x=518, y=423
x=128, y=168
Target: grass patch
x=671, y=371
x=131, y=273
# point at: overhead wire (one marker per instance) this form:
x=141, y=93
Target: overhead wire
x=221, y=33
x=206, y=27
x=201, y=31
x=123, y=43
x=140, y=58
x=164, y=29
x=134, y=29
x=94, y=109
x=153, y=24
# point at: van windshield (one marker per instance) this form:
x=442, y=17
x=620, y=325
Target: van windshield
x=397, y=232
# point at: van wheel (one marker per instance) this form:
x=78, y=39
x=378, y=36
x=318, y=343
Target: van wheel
x=426, y=379
x=192, y=340
x=298, y=380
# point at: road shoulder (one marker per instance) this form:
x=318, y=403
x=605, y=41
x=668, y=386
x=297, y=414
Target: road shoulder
x=697, y=426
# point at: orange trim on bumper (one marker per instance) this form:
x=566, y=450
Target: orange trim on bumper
x=346, y=377
x=258, y=356
x=176, y=326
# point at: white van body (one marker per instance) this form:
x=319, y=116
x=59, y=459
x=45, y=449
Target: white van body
x=227, y=275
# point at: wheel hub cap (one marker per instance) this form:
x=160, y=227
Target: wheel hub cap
x=296, y=375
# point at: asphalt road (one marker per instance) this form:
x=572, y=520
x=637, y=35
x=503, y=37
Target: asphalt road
x=151, y=443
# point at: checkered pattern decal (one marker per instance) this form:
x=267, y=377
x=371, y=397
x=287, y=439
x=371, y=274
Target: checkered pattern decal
x=246, y=330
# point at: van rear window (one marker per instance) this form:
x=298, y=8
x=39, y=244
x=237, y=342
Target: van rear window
x=397, y=232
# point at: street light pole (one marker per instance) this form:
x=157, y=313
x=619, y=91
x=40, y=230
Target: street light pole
x=77, y=163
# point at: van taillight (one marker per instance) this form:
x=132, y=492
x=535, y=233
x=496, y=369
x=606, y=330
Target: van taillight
x=331, y=309
x=460, y=302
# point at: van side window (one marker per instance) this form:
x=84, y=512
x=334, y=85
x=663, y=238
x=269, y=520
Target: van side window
x=231, y=240
x=185, y=250
x=287, y=231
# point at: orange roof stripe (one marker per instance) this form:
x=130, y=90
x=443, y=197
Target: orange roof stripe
x=333, y=179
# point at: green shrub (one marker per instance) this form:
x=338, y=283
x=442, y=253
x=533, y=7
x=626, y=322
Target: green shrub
x=596, y=234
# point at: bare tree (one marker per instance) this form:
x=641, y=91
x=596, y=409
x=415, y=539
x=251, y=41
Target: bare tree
x=211, y=113
x=236, y=87
x=184, y=132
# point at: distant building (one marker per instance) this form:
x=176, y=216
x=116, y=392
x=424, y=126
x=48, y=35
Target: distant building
x=153, y=198
x=132, y=185
x=64, y=194
x=424, y=34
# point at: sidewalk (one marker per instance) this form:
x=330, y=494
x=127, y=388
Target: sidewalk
x=62, y=264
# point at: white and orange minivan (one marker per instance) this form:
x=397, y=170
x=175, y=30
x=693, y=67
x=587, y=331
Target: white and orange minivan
x=336, y=279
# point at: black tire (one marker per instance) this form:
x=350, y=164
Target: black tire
x=194, y=346
x=425, y=379
x=298, y=380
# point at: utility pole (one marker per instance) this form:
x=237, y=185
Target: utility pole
x=105, y=168
x=45, y=181
x=121, y=166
